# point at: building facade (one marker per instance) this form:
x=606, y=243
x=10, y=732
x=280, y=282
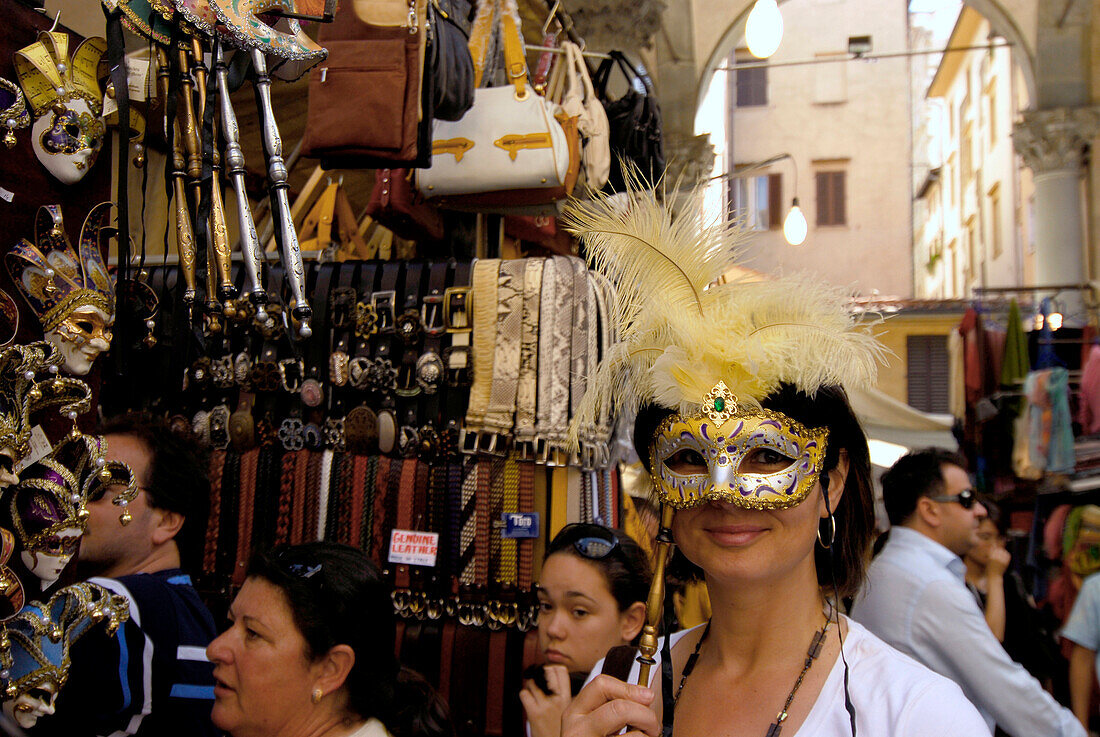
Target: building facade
x=974, y=211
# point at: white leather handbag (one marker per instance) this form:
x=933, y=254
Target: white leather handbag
x=510, y=148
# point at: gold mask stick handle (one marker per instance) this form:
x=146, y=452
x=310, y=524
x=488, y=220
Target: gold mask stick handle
x=185, y=234
x=234, y=160
x=218, y=242
x=285, y=234
x=647, y=643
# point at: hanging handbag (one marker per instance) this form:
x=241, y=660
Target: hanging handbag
x=635, y=125
x=450, y=69
x=395, y=204
x=365, y=106
x=513, y=147
x=571, y=86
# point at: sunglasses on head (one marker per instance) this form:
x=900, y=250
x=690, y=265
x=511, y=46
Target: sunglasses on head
x=590, y=541
x=965, y=498
x=297, y=568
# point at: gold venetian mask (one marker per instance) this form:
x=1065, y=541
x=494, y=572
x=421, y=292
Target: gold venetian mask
x=81, y=337
x=754, y=458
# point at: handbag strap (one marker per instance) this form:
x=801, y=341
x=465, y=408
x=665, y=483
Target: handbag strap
x=515, y=63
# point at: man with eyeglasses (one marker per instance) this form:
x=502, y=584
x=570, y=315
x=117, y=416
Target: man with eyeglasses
x=915, y=596
x=152, y=677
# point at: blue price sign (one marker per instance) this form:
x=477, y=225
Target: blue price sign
x=520, y=526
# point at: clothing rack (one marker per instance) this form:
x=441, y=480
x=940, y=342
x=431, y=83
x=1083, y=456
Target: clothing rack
x=555, y=50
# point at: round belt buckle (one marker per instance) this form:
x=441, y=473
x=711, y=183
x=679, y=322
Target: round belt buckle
x=312, y=393
x=290, y=434
x=429, y=372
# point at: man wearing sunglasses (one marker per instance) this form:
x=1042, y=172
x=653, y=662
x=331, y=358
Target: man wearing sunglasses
x=915, y=596
x=152, y=677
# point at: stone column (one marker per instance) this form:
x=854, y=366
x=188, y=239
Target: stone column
x=1051, y=143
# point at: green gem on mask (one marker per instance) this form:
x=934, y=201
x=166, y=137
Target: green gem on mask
x=719, y=404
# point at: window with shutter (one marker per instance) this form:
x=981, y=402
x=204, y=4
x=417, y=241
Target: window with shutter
x=928, y=377
x=751, y=83
x=831, y=206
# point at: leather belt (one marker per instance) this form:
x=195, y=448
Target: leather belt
x=555, y=347
x=527, y=384
x=323, y=490
x=499, y=416
x=485, y=280
x=210, y=544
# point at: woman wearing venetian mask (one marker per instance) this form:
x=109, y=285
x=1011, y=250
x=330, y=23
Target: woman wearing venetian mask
x=763, y=477
x=591, y=598
x=309, y=653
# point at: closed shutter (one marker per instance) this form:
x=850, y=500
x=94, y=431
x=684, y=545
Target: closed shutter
x=926, y=358
x=775, y=200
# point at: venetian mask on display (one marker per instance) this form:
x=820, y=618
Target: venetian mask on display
x=70, y=291
x=26, y=708
x=34, y=648
x=48, y=507
x=66, y=102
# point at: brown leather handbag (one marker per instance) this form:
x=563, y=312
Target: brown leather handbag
x=395, y=204
x=365, y=106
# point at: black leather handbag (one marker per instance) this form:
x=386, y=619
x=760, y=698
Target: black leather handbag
x=635, y=124
x=450, y=69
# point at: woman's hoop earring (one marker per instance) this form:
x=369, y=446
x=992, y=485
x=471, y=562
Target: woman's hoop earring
x=317, y=695
x=832, y=533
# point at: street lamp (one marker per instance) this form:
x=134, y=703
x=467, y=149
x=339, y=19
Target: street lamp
x=764, y=29
x=794, y=225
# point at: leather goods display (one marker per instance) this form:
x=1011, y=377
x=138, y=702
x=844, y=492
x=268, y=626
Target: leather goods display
x=571, y=86
x=450, y=68
x=395, y=204
x=373, y=65
x=635, y=124
x=513, y=147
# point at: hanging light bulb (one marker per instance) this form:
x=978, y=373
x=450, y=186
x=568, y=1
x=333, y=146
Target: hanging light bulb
x=794, y=226
x=764, y=29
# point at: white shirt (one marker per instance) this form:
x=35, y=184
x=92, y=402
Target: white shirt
x=893, y=695
x=916, y=599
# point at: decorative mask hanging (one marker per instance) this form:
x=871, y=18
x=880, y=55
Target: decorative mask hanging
x=48, y=507
x=66, y=102
x=34, y=648
x=285, y=39
x=70, y=291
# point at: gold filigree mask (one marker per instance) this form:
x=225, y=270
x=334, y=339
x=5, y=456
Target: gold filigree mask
x=753, y=458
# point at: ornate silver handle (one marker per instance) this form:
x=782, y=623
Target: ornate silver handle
x=285, y=234
x=234, y=162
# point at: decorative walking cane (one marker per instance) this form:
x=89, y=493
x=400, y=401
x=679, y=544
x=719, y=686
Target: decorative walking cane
x=654, y=606
x=234, y=161
x=285, y=234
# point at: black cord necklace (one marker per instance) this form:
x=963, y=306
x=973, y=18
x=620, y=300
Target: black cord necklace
x=811, y=655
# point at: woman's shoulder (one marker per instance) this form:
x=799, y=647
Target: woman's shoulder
x=893, y=694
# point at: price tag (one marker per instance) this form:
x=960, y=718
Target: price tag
x=39, y=448
x=520, y=526
x=414, y=548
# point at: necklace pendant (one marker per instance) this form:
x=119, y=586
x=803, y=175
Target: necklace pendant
x=774, y=730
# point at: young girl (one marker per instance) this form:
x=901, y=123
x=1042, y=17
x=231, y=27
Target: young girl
x=591, y=598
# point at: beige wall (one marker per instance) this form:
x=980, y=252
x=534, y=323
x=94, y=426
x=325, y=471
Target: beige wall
x=864, y=132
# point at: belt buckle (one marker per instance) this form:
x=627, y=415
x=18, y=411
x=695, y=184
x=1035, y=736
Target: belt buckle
x=492, y=443
x=383, y=304
x=432, y=315
x=406, y=383
x=408, y=441
x=429, y=371
x=542, y=451
x=456, y=309
x=342, y=311
x=366, y=319
x=291, y=383
x=290, y=434
x=408, y=327
x=525, y=449
x=456, y=358
x=468, y=441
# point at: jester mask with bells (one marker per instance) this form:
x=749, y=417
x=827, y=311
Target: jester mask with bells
x=48, y=507
x=66, y=102
x=710, y=350
x=35, y=646
x=70, y=290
